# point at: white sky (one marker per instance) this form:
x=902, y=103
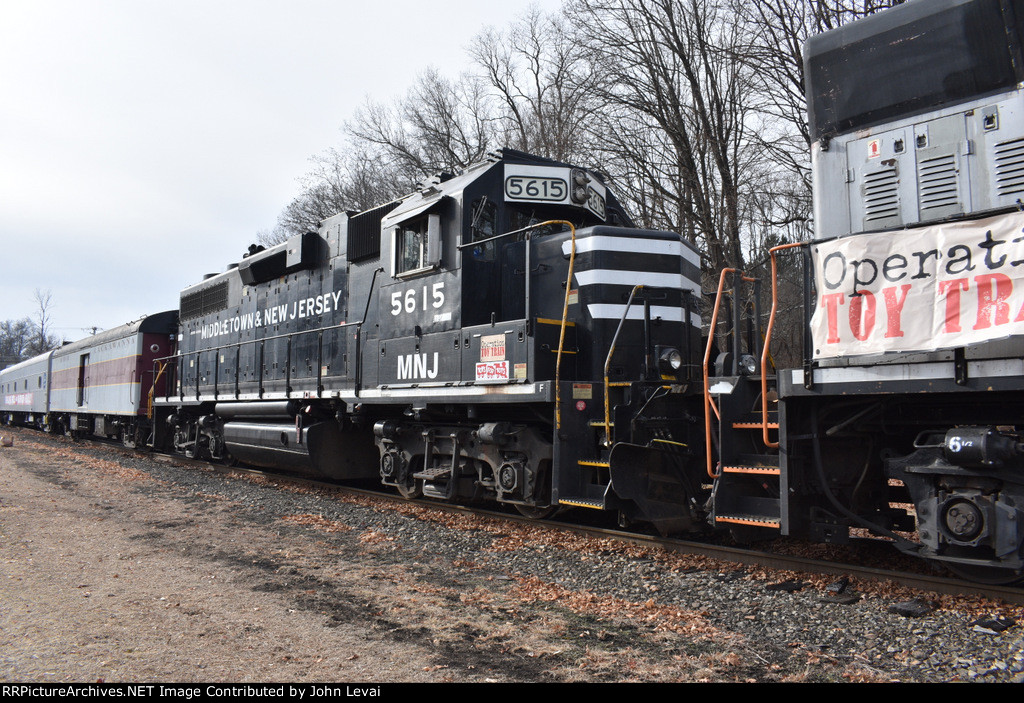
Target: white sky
x=143, y=143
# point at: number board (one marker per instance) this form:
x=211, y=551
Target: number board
x=550, y=184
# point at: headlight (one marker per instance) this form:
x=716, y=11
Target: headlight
x=670, y=360
x=748, y=365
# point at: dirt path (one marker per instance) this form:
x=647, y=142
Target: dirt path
x=102, y=580
x=130, y=569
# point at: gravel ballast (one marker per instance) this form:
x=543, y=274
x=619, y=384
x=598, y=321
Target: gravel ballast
x=122, y=567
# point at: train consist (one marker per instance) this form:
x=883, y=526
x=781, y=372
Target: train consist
x=507, y=334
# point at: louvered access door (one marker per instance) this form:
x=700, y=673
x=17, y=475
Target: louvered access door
x=942, y=153
x=916, y=173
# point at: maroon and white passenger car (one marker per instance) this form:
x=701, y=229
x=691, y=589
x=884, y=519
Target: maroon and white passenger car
x=99, y=385
x=25, y=391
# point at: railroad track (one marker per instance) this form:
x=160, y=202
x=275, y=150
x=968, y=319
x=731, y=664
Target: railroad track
x=745, y=557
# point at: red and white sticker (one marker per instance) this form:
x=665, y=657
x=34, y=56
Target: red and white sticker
x=492, y=371
x=19, y=399
x=581, y=405
x=874, y=148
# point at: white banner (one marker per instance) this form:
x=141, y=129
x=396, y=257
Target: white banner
x=936, y=287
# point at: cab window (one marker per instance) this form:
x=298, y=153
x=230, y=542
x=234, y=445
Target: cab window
x=417, y=245
x=412, y=246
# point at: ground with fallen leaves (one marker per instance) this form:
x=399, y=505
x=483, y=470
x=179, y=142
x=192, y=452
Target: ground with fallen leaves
x=116, y=570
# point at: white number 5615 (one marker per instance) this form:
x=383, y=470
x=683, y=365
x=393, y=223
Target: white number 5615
x=406, y=300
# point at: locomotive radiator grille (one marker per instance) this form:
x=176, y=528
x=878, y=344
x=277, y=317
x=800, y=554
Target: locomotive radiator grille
x=881, y=197
x=205, y=301
x=937, y=182
x=1009, y=159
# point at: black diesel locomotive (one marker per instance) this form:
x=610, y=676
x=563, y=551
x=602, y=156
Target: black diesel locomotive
x=491, y=336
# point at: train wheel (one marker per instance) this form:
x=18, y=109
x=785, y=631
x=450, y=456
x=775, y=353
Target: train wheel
x=989, y=575
x=534, y=513
x=411, y=492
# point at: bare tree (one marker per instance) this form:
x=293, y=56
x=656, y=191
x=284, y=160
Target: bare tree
x=440, y=125
x=778, y=206
x=355, y=179
x=695, y=108
x=776, y=31
x=15, y=339
x=524, y=99
x=42, y=340
x=540, y=84
x=668, y=66
x=270, y=237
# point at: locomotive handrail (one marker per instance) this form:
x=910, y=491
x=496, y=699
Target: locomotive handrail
x=767, y=343
x=152, y=389
x=197, y=352
x=478, y=242
x=529, y=309
x=565, y=317
x=608, y=362
x=708, y=401
x=565, y=307
x=180, y=355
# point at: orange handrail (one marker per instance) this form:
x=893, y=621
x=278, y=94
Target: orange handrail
x=709, y=404
x=152, y=389
x=767, y=342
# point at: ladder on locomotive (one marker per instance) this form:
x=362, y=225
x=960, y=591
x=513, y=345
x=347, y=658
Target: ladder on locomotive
x=741, y=416
x=589, y=483
x=616, y=397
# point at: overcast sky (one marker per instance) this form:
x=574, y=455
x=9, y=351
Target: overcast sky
x=144, y=143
